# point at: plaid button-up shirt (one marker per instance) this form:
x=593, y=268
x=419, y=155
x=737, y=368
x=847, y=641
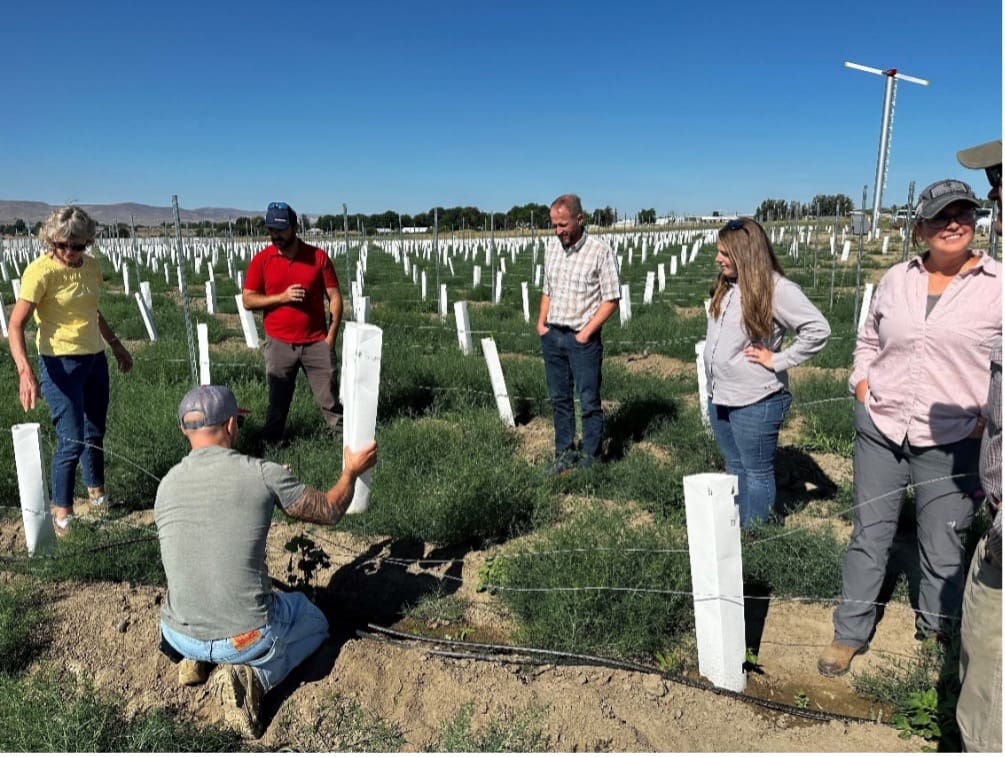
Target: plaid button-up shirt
x=577, y=279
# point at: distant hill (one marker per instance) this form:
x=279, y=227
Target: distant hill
x=143, y=215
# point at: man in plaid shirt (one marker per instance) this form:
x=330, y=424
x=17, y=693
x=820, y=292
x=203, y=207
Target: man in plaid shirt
x=581, y=291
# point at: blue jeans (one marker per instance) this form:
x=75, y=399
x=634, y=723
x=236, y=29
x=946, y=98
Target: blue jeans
x=76, y=390
x=566, y=361
x=748, y=437
x=295, y=629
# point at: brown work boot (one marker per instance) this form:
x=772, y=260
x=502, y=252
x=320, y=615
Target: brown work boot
x=836, y=659
x=192, y=672
x=241, y=695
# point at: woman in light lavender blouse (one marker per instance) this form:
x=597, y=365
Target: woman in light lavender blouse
x=753, y=306
x=920, y=381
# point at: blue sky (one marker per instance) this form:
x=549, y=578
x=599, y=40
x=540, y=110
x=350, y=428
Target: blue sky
x=679, y=106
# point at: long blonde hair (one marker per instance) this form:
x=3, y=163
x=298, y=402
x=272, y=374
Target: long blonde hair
x=750, y=251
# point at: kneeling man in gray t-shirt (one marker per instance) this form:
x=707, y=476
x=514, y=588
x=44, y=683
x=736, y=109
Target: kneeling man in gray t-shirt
x=213, y=513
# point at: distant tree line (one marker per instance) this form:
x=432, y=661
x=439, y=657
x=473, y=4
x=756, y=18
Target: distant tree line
x=519, y=217
x=821, y=205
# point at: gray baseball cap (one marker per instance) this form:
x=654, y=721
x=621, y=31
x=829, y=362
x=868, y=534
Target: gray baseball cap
x=981, y=156
x=214, y=402
x=937, y=196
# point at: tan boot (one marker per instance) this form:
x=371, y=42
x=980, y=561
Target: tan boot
x=836, y=659
x=192, y=672
x=241, y=695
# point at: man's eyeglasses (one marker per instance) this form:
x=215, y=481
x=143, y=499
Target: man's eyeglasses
x=963, y=217
x=994, y=174
x=69, y=246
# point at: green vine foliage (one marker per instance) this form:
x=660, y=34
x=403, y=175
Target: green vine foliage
x=306, y=560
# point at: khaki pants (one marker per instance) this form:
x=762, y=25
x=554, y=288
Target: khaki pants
x=282, y=363
x=979, y=709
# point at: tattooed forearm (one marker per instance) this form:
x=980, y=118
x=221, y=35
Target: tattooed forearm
x=314, y=507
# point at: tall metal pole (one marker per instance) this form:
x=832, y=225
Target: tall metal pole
x=436, y=247
x=858, y=261
x=886, y=127
x=908, y=222
x=193, y=365
x=816, y=240
x=345, y=230
x=882, y=158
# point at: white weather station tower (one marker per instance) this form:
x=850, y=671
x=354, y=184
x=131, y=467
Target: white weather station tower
x=886, y=128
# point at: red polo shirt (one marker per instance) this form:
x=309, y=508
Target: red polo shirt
x=270, y=272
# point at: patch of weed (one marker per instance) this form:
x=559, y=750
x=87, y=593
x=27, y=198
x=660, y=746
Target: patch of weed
x=54, y=712
x=341, y=725
x=508, y=731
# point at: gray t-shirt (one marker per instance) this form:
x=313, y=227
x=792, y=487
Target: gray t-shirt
x=213, y=513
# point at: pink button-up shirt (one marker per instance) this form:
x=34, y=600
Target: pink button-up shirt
x=928, y=377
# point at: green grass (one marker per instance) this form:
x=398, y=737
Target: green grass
x=794, y=562
x=439, y=607
x=95, y=552
x=23, y=623
x=55, y=712
x=598, y=583
x=452, y=482
x=827, y=411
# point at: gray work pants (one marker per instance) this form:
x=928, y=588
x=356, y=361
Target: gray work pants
x=945, y=507
x=282, y=363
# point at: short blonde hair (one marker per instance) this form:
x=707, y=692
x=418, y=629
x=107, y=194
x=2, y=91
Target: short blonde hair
x=68, y=224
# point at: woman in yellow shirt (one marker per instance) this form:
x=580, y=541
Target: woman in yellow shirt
x=60, y=289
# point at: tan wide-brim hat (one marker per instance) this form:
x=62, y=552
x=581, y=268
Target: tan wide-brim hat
x=981, y=156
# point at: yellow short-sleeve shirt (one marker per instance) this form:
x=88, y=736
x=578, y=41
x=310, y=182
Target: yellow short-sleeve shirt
x=66, y=305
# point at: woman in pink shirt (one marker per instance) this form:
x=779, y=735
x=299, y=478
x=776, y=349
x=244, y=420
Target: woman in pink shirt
x=920, y=381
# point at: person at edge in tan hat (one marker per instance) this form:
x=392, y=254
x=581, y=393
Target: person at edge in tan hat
x=979, y=708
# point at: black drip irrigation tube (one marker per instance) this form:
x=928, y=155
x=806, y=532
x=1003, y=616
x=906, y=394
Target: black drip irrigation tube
x=532, y=656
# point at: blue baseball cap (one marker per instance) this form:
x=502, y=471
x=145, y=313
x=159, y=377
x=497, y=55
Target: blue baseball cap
x=280, y=216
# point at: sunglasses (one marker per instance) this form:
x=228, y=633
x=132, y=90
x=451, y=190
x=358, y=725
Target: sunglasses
x=994, y=174
x=69, y=246
x=736, y=225
x=963, y=218
x=278, y=206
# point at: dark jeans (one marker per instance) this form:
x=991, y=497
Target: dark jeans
x=748, y=438
x=76, y=390
x=282, y=363
x=567, y=362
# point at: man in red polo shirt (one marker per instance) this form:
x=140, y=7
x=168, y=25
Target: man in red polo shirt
x=290, y=280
